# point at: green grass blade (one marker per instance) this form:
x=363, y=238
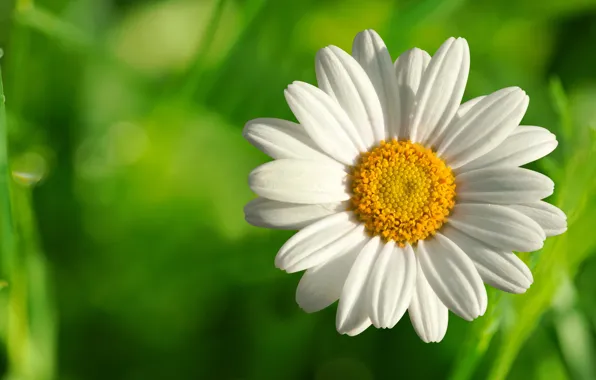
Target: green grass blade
x=33, y=351
x=195, y=73
x=561, y=105
x=573, y=332
x=8, y=238
x=561, y=256
x=479, y=338
x=30, y=320
x=536, y=301
x=60, y=30
x=203, y=84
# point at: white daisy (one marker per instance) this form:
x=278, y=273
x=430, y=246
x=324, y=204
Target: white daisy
x=405, y=199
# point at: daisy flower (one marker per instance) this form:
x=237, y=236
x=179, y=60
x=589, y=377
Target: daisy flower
x=404, y=198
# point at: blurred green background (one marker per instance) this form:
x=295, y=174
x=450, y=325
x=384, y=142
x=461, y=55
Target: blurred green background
x=125, y=254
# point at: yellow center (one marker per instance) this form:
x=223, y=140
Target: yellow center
x=402, y=191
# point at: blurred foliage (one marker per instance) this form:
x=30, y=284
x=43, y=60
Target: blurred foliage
x=122, y=235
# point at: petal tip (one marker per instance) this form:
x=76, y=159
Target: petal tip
x=512, y=91
x=278, y=263
x=288, y=93
x=435, y=338
x=369, y=34
x=298, y=85
x=323, y=52
x=555, y=232
x=462, y=41
x=248, y=129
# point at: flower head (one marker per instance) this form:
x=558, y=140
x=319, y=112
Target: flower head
x=405, y=198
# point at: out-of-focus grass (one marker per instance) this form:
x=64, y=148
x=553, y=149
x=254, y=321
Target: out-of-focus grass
x=136, y=108
x=44, y=21
x=7, y=243
x=552, y=266
x=573, y=332
x=561, y=257
x=8, y=232
x=29, y=324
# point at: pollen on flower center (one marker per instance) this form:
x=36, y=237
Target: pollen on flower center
x=402, y=191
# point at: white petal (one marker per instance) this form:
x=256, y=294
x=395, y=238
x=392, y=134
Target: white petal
x=282, y=139
x=391, y=285
x=324, y=121
x=483, y=127
x=552, y=220
x=358, y=327
x=321, y=285
x=319, y=242
x=263, y=212
x=503, y=185
x=498, y=226
x=299, y=181
x=352, y=311
x=452, y=276
x=500, y=269
x=467, y=106
x=344, y=80
x=524, y=145
x=428, y=314
x=370, y=51
x=437, y=138
x=441, y=89
x=409, y=68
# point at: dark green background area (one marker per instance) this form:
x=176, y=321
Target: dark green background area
x=132, y=258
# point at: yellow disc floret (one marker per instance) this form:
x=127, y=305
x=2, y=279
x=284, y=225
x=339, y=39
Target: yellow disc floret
x=402, y=191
